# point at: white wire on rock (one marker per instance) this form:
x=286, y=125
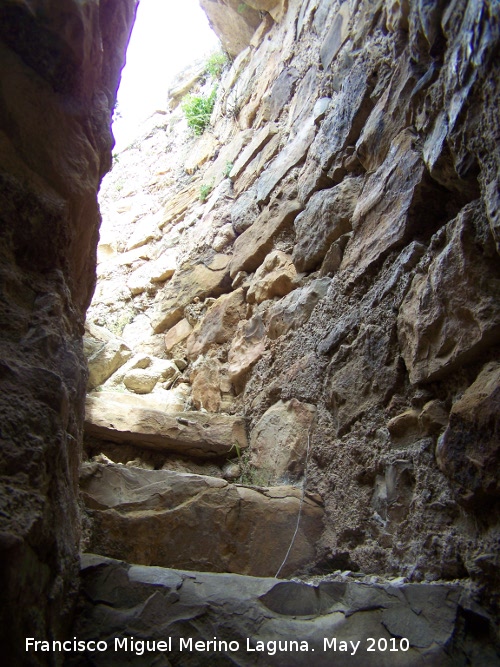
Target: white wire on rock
x=304, y=484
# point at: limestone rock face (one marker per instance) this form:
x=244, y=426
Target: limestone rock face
x=275, y=277
x=345, y=262
x=279, y=439
x=233, y=22
x=190, y=434
x=105, y=357
x=118, y=600
x=59, y=66
x=295, y=309
x=197, y=522
x=440, y=326
x=327, y=217
x=253, y=245
x=247, y=347
x=468, y=452
x=219, y=324
x=206, y=278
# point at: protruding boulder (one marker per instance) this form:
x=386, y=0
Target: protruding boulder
x=219, y=324
x=450, y=314
x=468, y=452
x=279, y=440
x=275, y=277
x=189, y=433
x=207, y=277
x=233, y=22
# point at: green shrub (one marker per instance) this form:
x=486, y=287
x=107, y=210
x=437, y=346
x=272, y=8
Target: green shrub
x=215, y=64
x=205, y=190
x=228, y=168
x=198, y=110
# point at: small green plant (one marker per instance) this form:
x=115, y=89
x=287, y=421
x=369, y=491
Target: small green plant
x=241, y=8
x=198, y=109
x=205, y=190
x=215, y=64
x=228, y=168
x=250, y=475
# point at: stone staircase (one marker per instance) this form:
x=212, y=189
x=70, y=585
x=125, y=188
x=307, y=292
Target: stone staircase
x=167, y=583
x=170, y=518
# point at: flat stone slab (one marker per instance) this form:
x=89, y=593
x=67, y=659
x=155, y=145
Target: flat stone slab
x=273, y=623
x=113, y=416
x=173, y=519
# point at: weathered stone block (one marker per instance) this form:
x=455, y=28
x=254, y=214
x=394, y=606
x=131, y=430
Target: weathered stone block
x=468, y=452
x=440, y=326
x=325, y=219
x=190, y=433
x=197, y=522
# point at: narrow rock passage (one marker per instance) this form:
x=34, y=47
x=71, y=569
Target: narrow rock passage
x=293, y=349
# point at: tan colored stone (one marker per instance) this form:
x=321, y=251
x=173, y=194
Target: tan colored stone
x=326, y=218
x=276, y=276
x=254, y=147
x=106, y=360
x=291, y=155
x=381, y=219
x=203, y=279
x=219, y=324
x=248, y=346
x=433, y=418
x=251, y=248
x=140, y=381
x=177, y=334
x=278, y=442
x=405, y=428
x=217, y=171
x=205, y=386
x=249, y=175
x=190, y=433
x=439, y=325
x=178, y=205
x=146, y=230
x=295, y=309
x=197, y=522
x=164, y=400
x=203, y=150
x=233, y=22
x=224, y=237
x=155, y=271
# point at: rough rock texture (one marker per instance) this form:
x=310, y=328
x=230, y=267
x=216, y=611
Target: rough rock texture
x=192, y=434
x=233, y=21
x=469, y=450
x=195, y=522
x=443, y=626
x=59, y=67
x=359, y=139
x=279, y=439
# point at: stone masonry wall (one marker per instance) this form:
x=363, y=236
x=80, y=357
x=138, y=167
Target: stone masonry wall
x=59, y=69
x=337, y=283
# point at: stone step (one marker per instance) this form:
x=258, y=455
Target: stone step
x=172, y=519
x=329, y=623
x=124, y=418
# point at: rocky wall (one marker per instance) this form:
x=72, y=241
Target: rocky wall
x=60, y=64
x=334, y=238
